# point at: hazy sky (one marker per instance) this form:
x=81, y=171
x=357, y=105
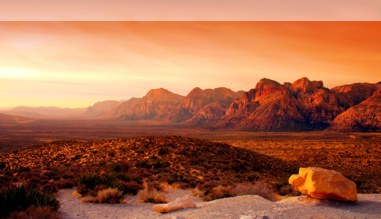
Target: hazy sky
x=190, y=10
x=74, y=64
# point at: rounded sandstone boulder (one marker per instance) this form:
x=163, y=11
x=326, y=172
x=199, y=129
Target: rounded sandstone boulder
x=324, y=184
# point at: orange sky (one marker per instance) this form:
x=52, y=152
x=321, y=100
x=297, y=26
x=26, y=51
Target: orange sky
x=191, y=10
x=74, y=64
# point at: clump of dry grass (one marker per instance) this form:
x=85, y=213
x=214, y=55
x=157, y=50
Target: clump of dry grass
x=198, y=192
x=218, y=192
x=20, y=198
x=164, y=186
x=260, y=188
x=35, y=213
x=109, y=195
x=151, y=195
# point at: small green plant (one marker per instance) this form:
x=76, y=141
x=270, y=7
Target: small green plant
x=19, y=198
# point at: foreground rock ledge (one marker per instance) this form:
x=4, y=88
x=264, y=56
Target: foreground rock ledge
x=324, y=184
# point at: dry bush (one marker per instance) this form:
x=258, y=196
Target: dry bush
x=19, y=198
x=260, y=188
x=35, y=213
x=198, y=192
x=151, y=195
x=164, y=186
x=218, y=192
x=109, y=195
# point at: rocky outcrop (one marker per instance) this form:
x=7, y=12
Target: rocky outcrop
x=266, y=86
x=365, y=116
x=127, y=107
x=306, y=86
x=302, y=105
x=356, y=93
x=207, y=105
x=156, y=104
x=103, y=109
x=270, y=106
x=324, y=184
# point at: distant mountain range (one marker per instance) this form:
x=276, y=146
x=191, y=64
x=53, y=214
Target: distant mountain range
x=270, y=106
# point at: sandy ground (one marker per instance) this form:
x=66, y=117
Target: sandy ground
x=242, y=207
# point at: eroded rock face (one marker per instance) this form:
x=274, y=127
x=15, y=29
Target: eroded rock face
x=324, y=184
x=179, y=203
x=207, y=105
x=365, y=116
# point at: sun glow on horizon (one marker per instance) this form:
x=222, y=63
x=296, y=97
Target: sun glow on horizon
x=74, y=64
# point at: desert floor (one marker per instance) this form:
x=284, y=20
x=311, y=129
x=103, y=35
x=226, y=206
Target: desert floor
x=245, y=207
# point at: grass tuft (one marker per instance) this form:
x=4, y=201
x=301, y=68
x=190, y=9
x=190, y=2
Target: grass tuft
x=151, y=195
x=109, y=195
x=35, y=213
x=20, y=198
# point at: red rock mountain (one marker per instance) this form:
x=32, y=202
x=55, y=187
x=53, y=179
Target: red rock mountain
x=207, y=105
x=127, y=107
x=365, y=116
x=156, y=104
x=270, y=106
x=356, y=93
x=103, y=109
x=302, y=105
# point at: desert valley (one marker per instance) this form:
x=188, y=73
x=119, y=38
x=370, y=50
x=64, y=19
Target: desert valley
x=189, y=119
x=217, y=142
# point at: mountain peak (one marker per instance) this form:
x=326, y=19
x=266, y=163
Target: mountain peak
x=195, y=91
x=305, y=85
x=158, y=91
x=266, y=86
x=162, y=95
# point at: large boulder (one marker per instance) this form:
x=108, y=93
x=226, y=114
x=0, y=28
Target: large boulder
x=324, y=184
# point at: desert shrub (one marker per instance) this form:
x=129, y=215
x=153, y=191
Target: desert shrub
x=253, y=176
x=260, y=188
x=198, y=192
x=218, y=192
x=153, y=162
x=120, y=167
x=35, y=213
x=151, y=195
x=65, y=183
x=109, y=195
x=49, y=188
x=91, y=183
x=131, y=187
x=20, y=198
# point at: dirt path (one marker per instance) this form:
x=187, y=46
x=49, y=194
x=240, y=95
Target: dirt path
x=245, y=207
